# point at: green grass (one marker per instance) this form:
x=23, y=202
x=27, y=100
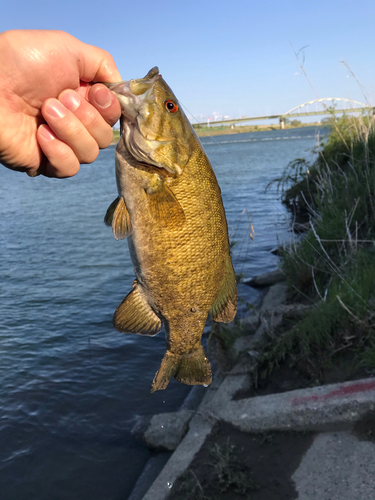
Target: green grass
x=334, y=264
x=116, y=136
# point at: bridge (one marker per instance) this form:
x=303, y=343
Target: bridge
x=301, y=110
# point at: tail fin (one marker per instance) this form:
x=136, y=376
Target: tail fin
x=191, y=369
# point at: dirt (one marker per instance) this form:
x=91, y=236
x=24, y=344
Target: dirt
x=233, y=465
x=304, y=374
x=364, y=429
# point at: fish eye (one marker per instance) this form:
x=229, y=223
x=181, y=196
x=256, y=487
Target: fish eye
x=170, y=106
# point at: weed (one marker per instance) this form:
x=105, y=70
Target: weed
x=225, y=335
x=190, y=487
x=231, y=473
x=227, y=474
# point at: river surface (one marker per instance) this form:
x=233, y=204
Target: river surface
x=71, y=387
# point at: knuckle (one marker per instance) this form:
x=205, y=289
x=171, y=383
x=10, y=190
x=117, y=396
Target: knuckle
x=67, y=161
x=105, y=139
x=91, y=154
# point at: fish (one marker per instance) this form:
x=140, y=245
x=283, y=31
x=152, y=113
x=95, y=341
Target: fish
x=170, y=209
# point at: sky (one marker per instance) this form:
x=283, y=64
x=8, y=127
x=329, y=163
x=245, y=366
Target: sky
x=226, y=57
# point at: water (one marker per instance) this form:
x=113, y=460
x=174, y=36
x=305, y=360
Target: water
x=71, y=387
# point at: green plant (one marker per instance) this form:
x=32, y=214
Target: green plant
x=225, y=335
x=190, y=488
x=334, y=264
x=231, y=473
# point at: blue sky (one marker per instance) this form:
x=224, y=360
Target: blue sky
x=232, y=57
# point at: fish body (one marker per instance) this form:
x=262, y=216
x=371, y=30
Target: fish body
x=170, y=209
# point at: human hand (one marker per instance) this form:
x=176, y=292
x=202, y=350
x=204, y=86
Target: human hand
x=51, y=117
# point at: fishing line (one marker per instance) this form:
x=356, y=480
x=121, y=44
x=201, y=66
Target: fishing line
x=299, y=232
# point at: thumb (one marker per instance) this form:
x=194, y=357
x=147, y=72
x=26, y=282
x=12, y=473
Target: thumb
x=94, y=64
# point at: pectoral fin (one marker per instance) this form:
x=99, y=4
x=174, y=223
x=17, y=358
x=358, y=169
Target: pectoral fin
x=134, y=315
x=164, y=205
x=118, y=217
x=224, y=309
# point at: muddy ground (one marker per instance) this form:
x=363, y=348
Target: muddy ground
x=233, y=465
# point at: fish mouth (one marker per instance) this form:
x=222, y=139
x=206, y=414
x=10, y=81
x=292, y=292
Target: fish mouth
x=126, y=98
x=133, y=96
x=131, y=93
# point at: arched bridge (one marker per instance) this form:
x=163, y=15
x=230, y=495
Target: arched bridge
x=325, y=106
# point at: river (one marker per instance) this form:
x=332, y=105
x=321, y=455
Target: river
x=71, y=387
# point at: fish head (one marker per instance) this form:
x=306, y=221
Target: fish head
x=154, y=127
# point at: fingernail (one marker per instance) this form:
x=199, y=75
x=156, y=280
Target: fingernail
x=46, y=133
x=102, y=97
x=55, y=109
x=70, y=100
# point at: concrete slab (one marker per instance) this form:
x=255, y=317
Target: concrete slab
x=337, y=467
x=318, y=408
x=200, y=428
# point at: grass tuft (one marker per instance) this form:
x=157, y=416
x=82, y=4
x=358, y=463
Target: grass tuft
x=334, y=264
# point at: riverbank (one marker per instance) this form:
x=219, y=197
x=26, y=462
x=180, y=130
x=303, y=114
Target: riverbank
x=242, y=129
x=238, y=443
x=238, y=129
x=312, y=329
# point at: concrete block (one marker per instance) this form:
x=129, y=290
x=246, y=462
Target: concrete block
x=166, y=430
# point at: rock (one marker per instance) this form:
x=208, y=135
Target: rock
x=275, y=296
x=268, y=324
x=245, y=366
x=141, y=426
x=293, y=311
x=243, y=344
x=266, y=279
x=250, y=323
x=269, y=320
x=166, y=430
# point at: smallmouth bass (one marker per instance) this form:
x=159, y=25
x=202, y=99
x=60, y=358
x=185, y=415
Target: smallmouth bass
x=169, y=207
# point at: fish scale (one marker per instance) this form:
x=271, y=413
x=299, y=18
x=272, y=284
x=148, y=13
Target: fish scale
x=170, y=209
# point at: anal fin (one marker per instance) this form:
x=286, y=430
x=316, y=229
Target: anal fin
x=118, y=217
x=134, y=315
x=224, y=308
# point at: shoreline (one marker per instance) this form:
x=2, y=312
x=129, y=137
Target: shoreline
x=227, y=412
x=227, y=130
x=243, y=129
x=282, y=378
